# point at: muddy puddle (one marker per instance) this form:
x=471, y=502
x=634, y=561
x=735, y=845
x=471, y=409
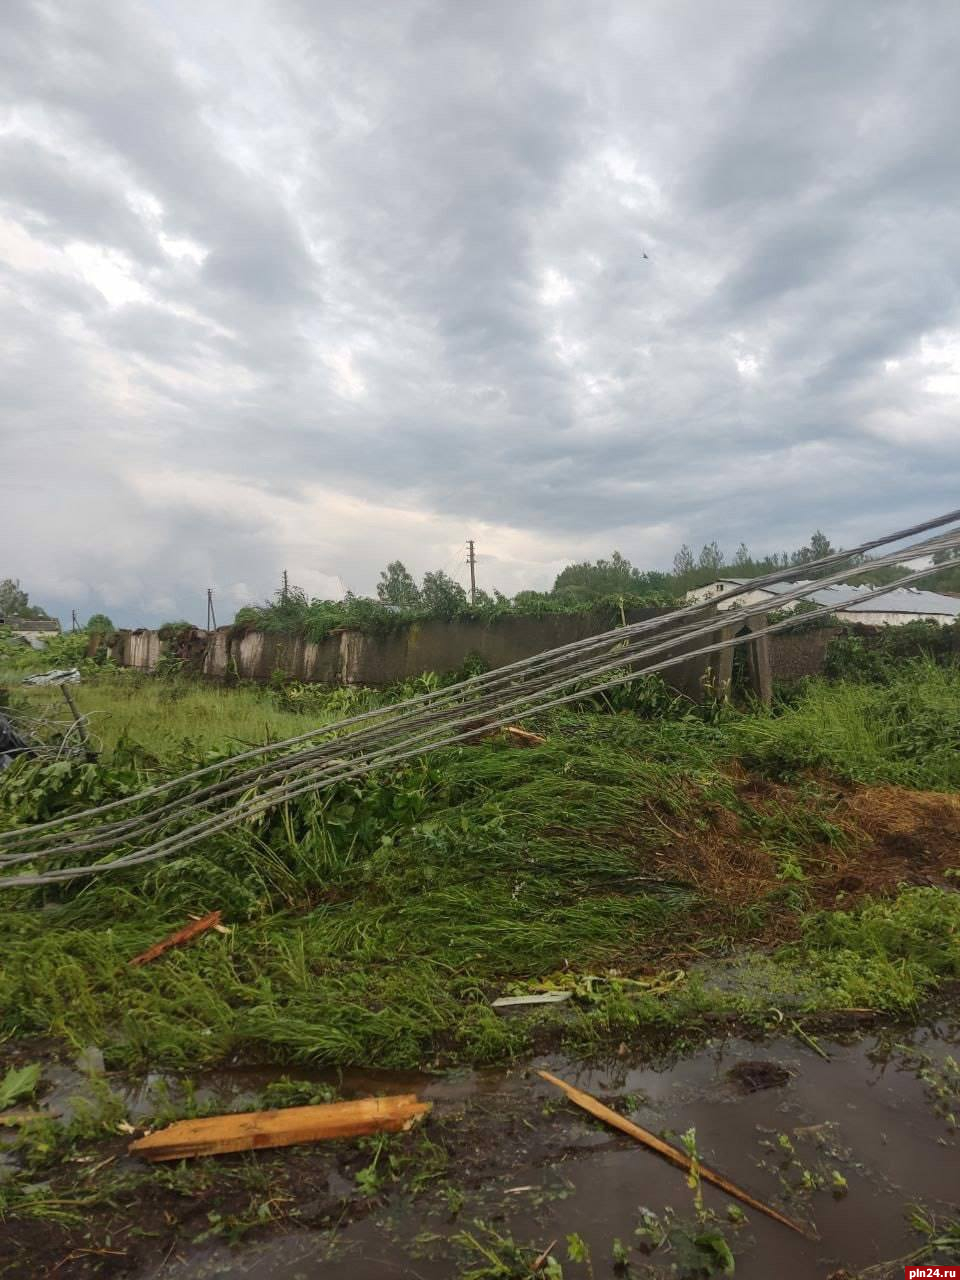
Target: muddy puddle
x=846, y=1144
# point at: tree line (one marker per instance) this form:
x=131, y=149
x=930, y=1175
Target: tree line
x=578, y=585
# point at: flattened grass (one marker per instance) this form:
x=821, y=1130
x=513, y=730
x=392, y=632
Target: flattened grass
x=374, y=924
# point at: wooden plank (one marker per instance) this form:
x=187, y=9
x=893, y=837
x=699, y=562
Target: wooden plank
x=252, y=1130
x=12, y=1119
x=524, y=735
x=188, y=932
x=680, y=1158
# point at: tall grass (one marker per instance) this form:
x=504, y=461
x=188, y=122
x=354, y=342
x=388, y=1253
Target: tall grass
x=171, y=719
x=906, y=731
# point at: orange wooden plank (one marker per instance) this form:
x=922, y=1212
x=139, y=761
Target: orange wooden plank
x=252, y=1130
x=185, y=934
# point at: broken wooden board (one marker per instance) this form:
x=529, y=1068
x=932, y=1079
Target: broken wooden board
x=524, y=735
x=186, y=934
x=595, y=1108
x=12, y=1119
x=540, y=997
x=252, y=1130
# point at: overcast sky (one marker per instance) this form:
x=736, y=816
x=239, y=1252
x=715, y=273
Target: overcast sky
x=317, y=284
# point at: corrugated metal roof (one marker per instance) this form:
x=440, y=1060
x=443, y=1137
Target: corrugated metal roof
x=902, y=600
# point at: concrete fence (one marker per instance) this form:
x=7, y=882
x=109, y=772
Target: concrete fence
x=350, y=657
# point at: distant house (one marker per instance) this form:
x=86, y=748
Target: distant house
x=894, y=608
x=33, y=631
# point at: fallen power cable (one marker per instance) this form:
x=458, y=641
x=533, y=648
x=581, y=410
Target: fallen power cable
x=173, y=815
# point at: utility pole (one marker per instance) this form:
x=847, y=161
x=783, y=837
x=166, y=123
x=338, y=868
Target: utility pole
x=472, y=562
x=211, y=616
x=285, y=588
x=74, y=624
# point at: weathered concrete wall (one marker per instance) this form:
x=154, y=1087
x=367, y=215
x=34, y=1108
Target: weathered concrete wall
x=445, y=646
x=802, y=654
x=355, y=657
x=140, y=649
x=759, y=677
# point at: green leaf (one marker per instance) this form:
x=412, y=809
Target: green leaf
x=713, y=1244
x=577, y=1248
x=19, y=1082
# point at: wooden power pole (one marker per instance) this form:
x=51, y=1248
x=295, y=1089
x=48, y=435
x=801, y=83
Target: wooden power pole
x=472, y=562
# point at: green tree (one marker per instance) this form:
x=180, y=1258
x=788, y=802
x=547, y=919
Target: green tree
x=442, y=595
x=818, y=547
x=99, y=624
x=683, y=562
x=397, y=586
x=586, y=581
x=742, y=557
x=15, y=603
x=711, y=557
x=821, y=546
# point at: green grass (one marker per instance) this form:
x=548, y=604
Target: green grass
x=905, y=731
x=171, y=720
x=373, y=924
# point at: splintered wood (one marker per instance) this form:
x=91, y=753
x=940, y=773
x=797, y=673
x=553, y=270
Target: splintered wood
x=252, y=1130
x=188, y=932
x=589, y=1103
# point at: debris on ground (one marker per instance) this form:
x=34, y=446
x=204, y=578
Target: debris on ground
x=540, y=998
x=751, y=1077
x=809, y=1040
x=541, y=1260
x=69, y=675
x=524, y=736
x=19, y=1083
x=595, y=1108
x=13, y=1119
x=252, y=1130
x=186, y=934
x=12, y=744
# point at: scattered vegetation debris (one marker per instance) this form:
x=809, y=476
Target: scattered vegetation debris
x=542, y=997
x=595, y=1108
x=809, y=1040
x=541, y=1260
x=751, y=1077
x=252, y=1130
x=186, y=934
x=19, y=1083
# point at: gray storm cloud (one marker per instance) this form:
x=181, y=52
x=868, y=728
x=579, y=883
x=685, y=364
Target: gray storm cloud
x=317, y=286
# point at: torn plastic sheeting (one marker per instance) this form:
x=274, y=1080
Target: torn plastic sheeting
x=68, y=676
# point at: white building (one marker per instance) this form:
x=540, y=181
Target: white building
x=894, y=608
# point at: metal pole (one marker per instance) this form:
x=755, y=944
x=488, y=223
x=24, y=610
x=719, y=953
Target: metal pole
x=472, y=562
